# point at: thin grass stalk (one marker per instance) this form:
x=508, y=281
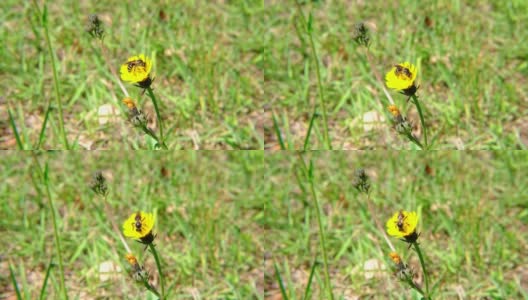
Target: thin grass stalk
x=308, y=28
x=278, y=132
x=13, y=280
x=15, y=130
x=308, y=289
x=308, y=172
x=44, y=124
x=44, y=20
x=281, y=283
x=44, y=176
x=378, y=77
x=45, y=282
x=106, y=58
x=309, y=132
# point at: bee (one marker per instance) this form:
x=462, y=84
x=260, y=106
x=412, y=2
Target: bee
x=401, y=218
x=138, y=219
x=402, y=70
x=135, y=63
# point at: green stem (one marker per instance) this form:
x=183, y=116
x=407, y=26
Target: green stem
x=413, y=139
x=309, y=174
x=413, y=285
x=158, y=117
x=420, y=112
x=158, y=264
x=308, y=28
x=44, y=175
x=309, y=132
x=150, y=287
x=149, y=131
x=55, y=79
x=422, y=262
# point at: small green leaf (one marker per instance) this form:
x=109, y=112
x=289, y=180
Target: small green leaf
x=45, y=15
x=309, y=24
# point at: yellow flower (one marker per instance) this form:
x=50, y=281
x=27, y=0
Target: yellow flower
x=403, y=225
x=139, y=226
x=401, y=78
x=137, y=70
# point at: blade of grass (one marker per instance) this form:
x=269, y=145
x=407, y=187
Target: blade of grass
x=44, y=176
x=13, y=280
x=310, y=279
x=45, y=282
x=43, y=16
x=309, y=133
x=308, y=173
x=15, y=130
x=43, y=129
x=281, y=284
x=308, y=27
x=278, y=132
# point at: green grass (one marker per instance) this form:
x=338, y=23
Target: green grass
x=216, y=241
x=208, y=79
x=208, y=207
x=472, y=61
x=223, y=69
x=473, y=220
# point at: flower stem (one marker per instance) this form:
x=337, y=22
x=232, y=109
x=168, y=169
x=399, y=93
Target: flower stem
x=158, y=264
x=150, y=287
x=308, y=27
x=413, y=285
x=420, y=112
x=158, y=117
x=422, y=262
x=414, y=139
x=309, y=175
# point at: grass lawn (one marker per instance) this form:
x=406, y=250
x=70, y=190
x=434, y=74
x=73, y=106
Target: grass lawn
x=207, y=211
x=471, y=56
x=207, y=69
x=229, y=223
x=473, y=219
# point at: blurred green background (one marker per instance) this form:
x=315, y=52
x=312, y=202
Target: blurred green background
x=473, y=210
x=208, y=205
